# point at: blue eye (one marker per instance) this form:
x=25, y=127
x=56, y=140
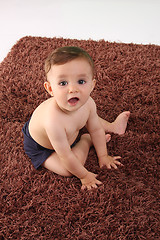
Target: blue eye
x=63, y=83
x=81, y=81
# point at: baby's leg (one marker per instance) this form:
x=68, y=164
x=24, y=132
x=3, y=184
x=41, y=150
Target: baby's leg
x=81, y=150
x=119, y=125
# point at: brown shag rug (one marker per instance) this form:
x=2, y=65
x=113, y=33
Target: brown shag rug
x=42, y=205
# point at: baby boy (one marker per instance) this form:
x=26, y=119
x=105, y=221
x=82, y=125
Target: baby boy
x=50, y=136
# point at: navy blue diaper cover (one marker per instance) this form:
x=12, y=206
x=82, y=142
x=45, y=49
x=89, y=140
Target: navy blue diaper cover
x=37, y=153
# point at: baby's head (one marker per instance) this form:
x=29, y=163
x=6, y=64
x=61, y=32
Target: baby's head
x=70, y=79
x=66, y=54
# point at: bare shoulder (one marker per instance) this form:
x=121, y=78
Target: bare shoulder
x=92, y=104
x=52, y=112
x=42, y=108
x=43, y=114
x=45, y=122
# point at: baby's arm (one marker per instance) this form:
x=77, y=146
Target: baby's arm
x=99, y=140
x=59, y=141
x=69, y=160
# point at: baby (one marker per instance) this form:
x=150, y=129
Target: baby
x=50, y=136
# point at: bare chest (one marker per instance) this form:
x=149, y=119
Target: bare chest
x=75, y=122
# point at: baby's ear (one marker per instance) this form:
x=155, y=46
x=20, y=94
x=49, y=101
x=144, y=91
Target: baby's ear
x=48, y=88
x=93, y=83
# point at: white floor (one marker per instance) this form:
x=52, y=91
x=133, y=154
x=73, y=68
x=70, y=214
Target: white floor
x=136, y=21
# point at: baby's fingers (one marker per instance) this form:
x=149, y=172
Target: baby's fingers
x=98, y=182
x=114, y=165
x=116, y=157
x=113, y=162
x=88, y=187
x=83, y=187
x=117, y=162
x=91, y=186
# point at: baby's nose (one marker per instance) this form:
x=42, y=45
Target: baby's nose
x=73, y=88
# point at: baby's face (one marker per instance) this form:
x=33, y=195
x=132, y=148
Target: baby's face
x=71, y=83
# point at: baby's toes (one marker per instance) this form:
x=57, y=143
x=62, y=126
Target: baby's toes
x=108, y=137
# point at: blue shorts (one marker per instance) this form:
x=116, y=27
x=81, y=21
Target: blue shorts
x=37, y=153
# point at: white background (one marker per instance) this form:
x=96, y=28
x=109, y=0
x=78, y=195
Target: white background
x=136, y=21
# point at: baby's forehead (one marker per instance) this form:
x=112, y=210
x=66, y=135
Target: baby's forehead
x=79, y=63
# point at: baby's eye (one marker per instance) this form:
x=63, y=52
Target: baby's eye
x=81, y=81
x=63, y=83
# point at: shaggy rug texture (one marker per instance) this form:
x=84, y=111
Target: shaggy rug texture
x=38, y=204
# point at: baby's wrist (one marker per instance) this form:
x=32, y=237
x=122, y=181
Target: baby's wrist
x=103, y=159
x=104, y=156
x=84, y=175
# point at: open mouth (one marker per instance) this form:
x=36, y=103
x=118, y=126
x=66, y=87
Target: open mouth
x=73, y=101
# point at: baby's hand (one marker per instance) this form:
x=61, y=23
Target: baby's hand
x=90, y=181
x=110, y=162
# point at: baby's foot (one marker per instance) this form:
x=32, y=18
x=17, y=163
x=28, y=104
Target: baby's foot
x=108, y=137
x=120, y=124
x=86, y=137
